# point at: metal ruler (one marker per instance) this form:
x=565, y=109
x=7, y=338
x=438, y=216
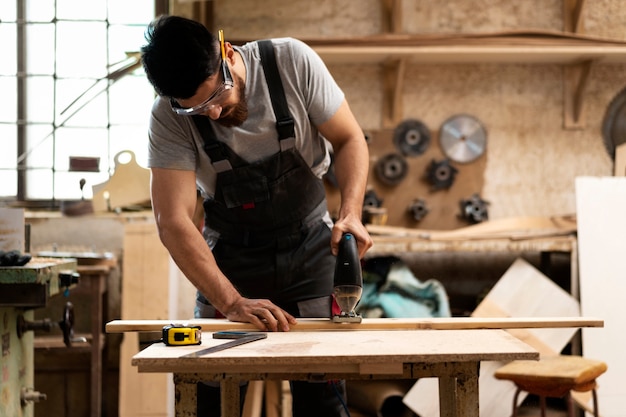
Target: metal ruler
x=238, y=338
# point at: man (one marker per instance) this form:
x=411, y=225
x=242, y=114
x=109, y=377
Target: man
x=265, y=255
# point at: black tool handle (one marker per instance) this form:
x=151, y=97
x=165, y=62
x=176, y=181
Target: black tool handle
x=348, y=266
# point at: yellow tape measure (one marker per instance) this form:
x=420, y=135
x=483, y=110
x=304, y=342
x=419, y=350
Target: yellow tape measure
x=181, y=335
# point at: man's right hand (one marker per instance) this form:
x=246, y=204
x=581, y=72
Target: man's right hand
x=262, y=313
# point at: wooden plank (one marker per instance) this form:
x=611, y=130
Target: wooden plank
x=438, y=323
x=509, y=228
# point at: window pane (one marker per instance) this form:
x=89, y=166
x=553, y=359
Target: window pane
x=132, y=138
x=78, y=142
x=136, y=11
x=72, y=109
x=39, y=10
x=38, y=110
x=39, y=184
x=8, y=104
x=8, y=183
x=39, y=140
x=131, y=100
x=8, y=12
x=67, y=184
x=8, y=156
x=124, y=39
x=81, y=9
x=81, y=49
x=90, y=107
x=40, y=59
x=8, y=49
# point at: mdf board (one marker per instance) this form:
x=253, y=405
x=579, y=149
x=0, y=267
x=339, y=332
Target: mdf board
x=601, y=211
x=145, y=295
x=522, y=291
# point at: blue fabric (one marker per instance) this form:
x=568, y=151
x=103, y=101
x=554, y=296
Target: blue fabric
x=391, y=290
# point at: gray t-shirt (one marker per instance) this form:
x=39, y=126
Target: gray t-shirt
x=313, y=98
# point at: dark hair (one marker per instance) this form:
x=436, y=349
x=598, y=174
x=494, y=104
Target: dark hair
x=179, y=56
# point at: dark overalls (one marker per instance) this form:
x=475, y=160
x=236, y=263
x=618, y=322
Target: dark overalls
x=273, y=240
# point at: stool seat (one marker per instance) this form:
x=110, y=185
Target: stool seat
x=553, y=376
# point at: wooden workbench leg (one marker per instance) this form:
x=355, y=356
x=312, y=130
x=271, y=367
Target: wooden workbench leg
x=229, y=396
x=185, y=397
x=447, y=396
x=458, y=396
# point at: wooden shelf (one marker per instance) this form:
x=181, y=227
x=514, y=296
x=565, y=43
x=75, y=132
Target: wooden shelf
x=514, y=54
x=577, y=53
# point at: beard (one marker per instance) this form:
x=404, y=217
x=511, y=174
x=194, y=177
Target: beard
x=236, y=114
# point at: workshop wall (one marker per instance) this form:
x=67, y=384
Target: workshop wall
x=531, y=160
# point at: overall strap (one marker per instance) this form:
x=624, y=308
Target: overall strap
x=213, y=147
x=284, y=121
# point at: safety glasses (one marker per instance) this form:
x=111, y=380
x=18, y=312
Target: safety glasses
x=218, y=96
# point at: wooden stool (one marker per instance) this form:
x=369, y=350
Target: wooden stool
x=555, y=377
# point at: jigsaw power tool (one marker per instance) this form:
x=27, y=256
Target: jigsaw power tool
x=348, y=284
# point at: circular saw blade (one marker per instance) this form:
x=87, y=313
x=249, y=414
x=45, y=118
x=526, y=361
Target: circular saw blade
x=614, y=123
x=463, y=138
x=411, y=137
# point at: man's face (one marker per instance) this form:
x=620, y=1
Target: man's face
x=227, y=106
x=235, y=111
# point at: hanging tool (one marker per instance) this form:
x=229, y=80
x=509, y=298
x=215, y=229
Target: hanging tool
x=411, y=137
x=441, y=174
x=418, y=209
x=239, y=338
x=474, y=209
x=348, y=283
x=391, y=169
x=463, y=138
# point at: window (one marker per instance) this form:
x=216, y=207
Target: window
x=71, y=87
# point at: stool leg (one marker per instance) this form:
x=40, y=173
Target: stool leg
x=515, y=401
x=596, y=413
x=542, y=402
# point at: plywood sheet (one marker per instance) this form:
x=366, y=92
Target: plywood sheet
x=522, y=291
x=601, y=207
x=345, y=351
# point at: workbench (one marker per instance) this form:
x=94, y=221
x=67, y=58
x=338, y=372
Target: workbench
x=453, y=356
x=450, y=349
